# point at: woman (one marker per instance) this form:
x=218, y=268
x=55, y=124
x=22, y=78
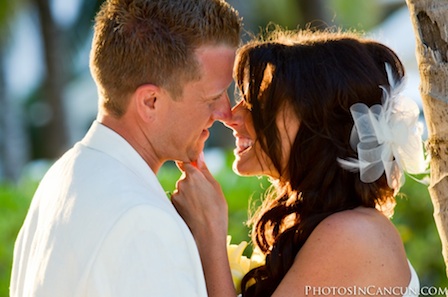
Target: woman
x=321, y=115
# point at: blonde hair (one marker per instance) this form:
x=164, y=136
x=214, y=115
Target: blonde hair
x=153, y=41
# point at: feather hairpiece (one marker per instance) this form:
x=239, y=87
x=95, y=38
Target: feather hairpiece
x=387, y=137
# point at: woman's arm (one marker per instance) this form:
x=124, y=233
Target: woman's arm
x=201, y=203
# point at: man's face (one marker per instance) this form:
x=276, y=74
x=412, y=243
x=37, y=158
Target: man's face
x=185, y=121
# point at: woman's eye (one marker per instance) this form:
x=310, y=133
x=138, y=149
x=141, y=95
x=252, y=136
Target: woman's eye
x=247, y=105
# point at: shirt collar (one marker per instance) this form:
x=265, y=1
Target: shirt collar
x=106, y=140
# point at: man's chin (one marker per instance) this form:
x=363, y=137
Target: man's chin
x=194, y=155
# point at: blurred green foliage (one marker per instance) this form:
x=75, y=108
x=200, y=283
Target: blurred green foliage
x=347, y=14
x=415, y=222
x=14, y=203
x=413, y=218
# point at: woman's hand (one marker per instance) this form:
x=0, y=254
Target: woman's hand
x=200, y=201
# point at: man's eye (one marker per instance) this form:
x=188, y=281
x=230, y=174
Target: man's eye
x=217, y=98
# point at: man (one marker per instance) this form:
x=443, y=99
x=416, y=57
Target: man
x=100, y=223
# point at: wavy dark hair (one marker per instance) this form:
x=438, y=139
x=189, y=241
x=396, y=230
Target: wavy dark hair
x=318, y=75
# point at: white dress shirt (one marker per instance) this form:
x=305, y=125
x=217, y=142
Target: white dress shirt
x=100, y=224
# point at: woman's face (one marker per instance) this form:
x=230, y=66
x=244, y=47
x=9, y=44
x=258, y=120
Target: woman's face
x=250, y=159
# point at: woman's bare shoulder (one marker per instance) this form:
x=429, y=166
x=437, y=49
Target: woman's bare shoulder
x=358, y=247
x=364, y=225
x=359, y=234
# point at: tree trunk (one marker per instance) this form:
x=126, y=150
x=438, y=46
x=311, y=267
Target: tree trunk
x=430, y=22
x=54, y=136
x=14, y=146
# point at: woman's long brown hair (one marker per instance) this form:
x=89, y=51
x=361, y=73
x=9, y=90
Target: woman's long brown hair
x=318, y=75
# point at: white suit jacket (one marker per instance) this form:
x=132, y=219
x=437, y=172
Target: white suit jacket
x=100, y=224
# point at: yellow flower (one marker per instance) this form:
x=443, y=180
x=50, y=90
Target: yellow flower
x=239, y=264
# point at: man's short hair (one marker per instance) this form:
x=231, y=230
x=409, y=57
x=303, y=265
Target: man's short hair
x=137, y=42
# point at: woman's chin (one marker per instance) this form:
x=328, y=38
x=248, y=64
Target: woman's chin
x=241, y=169
x=247, y=165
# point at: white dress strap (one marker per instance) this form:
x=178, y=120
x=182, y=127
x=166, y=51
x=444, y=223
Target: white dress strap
x=413, y=288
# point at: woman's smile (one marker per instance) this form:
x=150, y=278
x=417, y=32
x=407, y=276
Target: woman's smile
x=243, y=144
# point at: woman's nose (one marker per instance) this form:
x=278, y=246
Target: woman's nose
x=236, y=117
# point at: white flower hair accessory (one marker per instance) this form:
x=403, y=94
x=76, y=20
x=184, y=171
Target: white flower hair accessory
x=387, y=137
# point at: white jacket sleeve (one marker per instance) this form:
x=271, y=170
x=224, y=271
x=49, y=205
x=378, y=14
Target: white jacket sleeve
x=146, y=253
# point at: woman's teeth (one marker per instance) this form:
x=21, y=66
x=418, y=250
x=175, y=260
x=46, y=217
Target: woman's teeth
x=243, y=144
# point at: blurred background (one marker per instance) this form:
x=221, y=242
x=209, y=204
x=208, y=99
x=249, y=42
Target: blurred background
x=48, y=100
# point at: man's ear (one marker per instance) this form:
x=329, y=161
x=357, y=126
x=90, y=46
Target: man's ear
x=146, y=101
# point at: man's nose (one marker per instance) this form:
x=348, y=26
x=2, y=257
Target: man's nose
x=223, y=112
